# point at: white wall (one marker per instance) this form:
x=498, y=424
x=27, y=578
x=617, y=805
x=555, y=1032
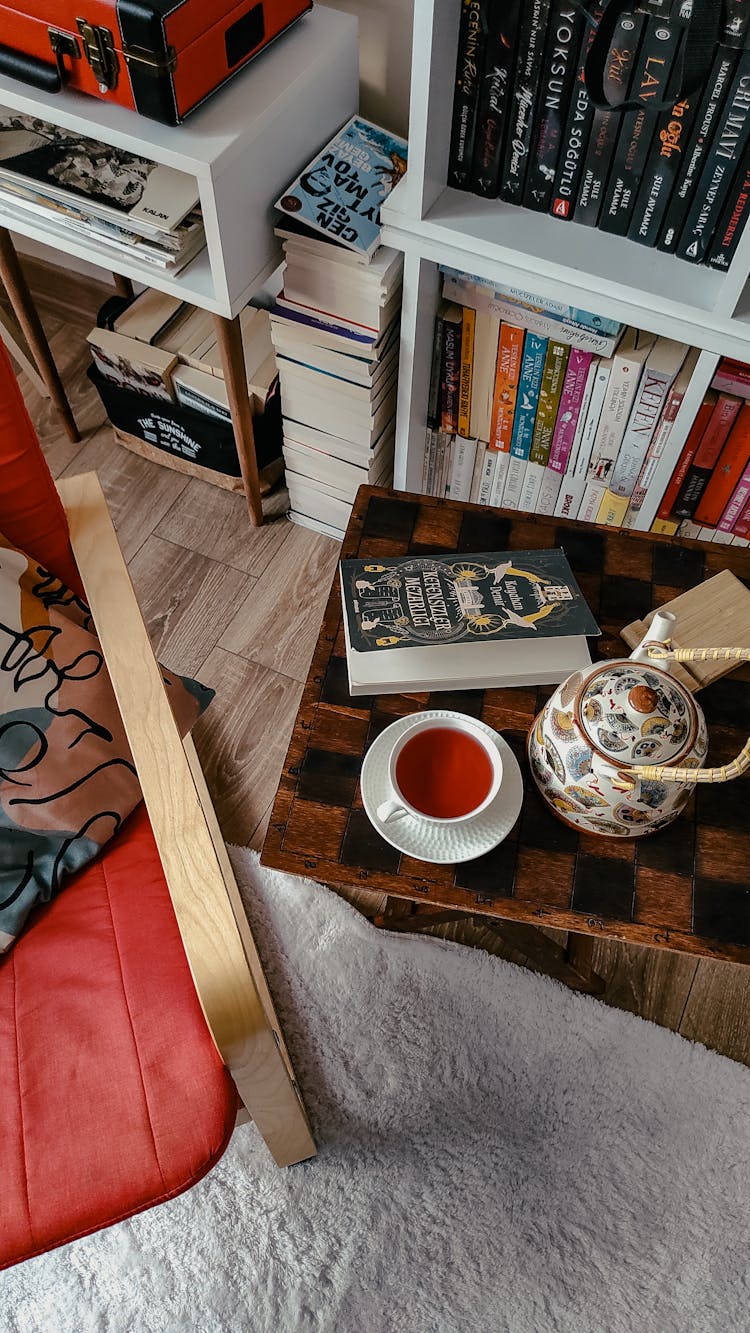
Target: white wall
x=384, y=58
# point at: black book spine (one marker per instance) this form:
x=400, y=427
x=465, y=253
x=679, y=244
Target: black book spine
x=655, y=61
x=618, y=77
x=521, y=120
x=466, y=94
x=433, y=400
x=662, y=169
x=494, y=96
x=724, y=66
x=576, y=135
x=727, y=150
x=562, y=48
x=732, y=222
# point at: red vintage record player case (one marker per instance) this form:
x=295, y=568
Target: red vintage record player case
x=162, y=58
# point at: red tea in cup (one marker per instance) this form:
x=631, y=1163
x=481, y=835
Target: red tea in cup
x=444, y=772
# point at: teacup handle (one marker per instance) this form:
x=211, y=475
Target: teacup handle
x=390, y=810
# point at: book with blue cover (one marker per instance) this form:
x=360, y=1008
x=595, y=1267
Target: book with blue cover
x=340, y=192
x=529, y=385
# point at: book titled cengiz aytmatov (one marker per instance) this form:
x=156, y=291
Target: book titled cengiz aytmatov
x=463, y=621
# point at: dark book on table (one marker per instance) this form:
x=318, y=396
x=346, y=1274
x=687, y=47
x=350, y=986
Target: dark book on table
x=618, y=77
x=463, y=621
x=469, y=61
x=728, y=147
x=650, y=86
x=531, y=35
x=577, y=129
x=564, y=34
x=731, y=224
x=494, y=95
x=693, y=153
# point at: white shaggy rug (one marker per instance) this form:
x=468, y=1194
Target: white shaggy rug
x=496, y=1153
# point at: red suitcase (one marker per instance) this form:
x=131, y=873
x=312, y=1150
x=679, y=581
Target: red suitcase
x=162, y=58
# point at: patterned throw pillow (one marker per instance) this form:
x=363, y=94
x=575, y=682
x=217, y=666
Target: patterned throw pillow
x=67, y=779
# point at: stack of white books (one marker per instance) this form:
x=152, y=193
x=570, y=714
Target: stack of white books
x=335, y=333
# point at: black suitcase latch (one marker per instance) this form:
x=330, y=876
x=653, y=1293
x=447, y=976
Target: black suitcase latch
x=99, y=50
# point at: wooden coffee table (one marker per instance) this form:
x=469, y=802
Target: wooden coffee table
x=685, y=888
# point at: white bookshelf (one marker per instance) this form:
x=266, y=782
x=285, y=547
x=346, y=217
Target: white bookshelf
x=434, y=224
x=243, y=147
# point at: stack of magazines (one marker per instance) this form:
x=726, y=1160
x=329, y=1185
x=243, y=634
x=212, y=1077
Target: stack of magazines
x=335, y=326
x=126, y=204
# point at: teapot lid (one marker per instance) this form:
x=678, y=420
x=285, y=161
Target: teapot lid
x=636, y=715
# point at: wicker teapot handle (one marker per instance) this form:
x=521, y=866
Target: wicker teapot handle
x=661, y=652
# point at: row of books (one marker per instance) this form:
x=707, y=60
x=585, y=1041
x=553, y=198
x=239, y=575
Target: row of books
x=708, y=495
x=554, y=413
x=160, y=347
x=70, y=184
x=525, y=128
x=335, y=326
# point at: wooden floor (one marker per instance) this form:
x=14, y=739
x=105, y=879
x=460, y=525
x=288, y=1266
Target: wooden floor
x=240, y=609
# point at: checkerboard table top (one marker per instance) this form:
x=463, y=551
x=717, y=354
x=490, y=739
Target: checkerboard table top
x=686, y=887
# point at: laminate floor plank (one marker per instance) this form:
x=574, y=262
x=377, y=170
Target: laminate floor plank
x=139, y=492
x=718, y=1009
x=653, y=983
x=214, y=522
x=242, y=739
x=278, y=625
x=186, y=600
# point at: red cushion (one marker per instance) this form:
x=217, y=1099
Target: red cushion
x=31, y=515
x=113, y=1096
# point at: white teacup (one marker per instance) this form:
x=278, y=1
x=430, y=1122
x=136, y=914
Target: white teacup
x=442, y=778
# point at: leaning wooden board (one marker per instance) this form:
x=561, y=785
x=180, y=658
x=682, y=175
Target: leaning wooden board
x=715, y=614
x=685, y=888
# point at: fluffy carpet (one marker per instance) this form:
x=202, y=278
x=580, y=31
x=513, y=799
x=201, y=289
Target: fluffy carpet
x=496, y=1153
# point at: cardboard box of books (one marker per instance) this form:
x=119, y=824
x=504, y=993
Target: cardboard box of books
x=195, y=439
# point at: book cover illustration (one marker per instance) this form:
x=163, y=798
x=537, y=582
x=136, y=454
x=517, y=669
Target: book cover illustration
x=341, y=190
x=426, y=600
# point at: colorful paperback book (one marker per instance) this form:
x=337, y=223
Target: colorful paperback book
x=507, y=375
x=341, y=190
x=663, y=363
x=577, y=378
x=529, y=385
x=456, y=621
x=553, y=380
x=574, y=482
x=485, y=300
x=662, y=434
x=740, y=497
x=468, y=322
x=556, y=486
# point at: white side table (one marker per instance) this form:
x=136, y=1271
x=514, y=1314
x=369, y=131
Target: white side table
x=243, y=148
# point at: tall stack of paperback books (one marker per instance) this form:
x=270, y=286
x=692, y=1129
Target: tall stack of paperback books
x=335, y=326
x=546, y=408
x=123, y=203
x=708, y=496
x=525, y=128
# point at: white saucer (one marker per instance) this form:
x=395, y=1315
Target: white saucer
x=442, y=844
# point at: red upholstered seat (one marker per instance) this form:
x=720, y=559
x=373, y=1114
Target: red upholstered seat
x=113, y=1096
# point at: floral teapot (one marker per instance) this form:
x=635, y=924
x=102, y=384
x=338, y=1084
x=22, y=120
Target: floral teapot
x=618, y=749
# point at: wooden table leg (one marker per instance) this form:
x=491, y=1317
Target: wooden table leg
x=123, y=286
x=26, y=313
x=235, y=377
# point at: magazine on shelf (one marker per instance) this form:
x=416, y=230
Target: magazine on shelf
x=468, y=621
x=115, y=184
x=340, y=192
